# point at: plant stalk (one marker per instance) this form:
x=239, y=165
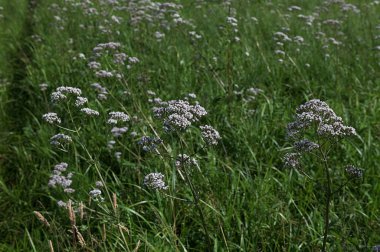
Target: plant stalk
x=327, y=206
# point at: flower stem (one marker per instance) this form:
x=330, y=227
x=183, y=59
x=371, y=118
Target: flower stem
x=196, y=198
x=328, y=201
x=196, y=202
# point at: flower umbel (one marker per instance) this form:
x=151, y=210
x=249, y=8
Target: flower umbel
x=354, y=172
x=291, y=160
x=210, y=135
x=51, y=118
x=316, y=112
x=155, y=181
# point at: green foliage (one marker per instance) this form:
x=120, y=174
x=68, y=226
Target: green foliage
x=250, y=202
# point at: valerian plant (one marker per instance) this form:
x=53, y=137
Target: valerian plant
x=178, y=117
x=315, y=131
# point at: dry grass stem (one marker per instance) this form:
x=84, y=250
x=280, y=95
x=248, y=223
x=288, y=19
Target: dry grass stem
x=42, y=218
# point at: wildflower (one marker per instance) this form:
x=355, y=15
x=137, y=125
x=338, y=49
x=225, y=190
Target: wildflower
x=354, y=172
x=291, y=160
x=95, y=193
x=150, y=93
x=94, y=65
x=69, y=190
x=133, y=60
x=57, y=96
x=282, y=37
x=305, y=146
x=332, y=22
x=316, y=112
x=294, y=8
x=279, y=52
x=116, y=19
x=159, y=36
x=99, y=88
x=119, y=58
x=61, y=167
x=194, y=35
x=210, y=135
x=178, y=121
x=349, y=7
x=192, y=95
x=69, y=90
x=51, y=118
x=149, y=143
x=298, y=39
x=43, y=86
x=61, y=203
x=110, y=144
x=102, y=97
x=155, y=181
x=232, y=21
x=99, y=184
x=89, y=112
x=118, y=155
x=60, y=139
x=81, y=56
x=117, y=132
x=183, y=159
x=254, y=91
x=115, y=117
x=179, y=114
x=59, y=179
x=109, y=45
x=80, y=101
x=103, y=74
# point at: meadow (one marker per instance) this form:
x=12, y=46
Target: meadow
x=189, y=125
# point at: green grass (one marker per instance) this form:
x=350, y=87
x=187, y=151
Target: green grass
x=249, y=201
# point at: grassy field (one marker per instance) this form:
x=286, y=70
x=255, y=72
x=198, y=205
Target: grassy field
x=78, y=180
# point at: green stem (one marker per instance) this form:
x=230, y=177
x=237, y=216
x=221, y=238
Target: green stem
x=328, y=201
x=196, y=197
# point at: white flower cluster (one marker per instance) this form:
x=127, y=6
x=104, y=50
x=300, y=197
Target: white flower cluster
x=94, y=65
x=185, y=160
x=57, y=96
x=51, y=118
x=318, y=113
x=149, y=143
x=305, y=145
x=118, y=132
x=69, y=90
x=155, y=181
x=106, y=46
x=291, y=160
x=95, y=193
x=90, y=112
x=115, y=117
x=43, y=86
x=80, y=101
x=61, y=92
x=102, y=92
x=59, y=179
x=179, y=114
x=60, y=139
x=103, y=74
x=119, y=58
x=163, y=15
x=210, y=135
x=354, y=172
x=313, y=115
